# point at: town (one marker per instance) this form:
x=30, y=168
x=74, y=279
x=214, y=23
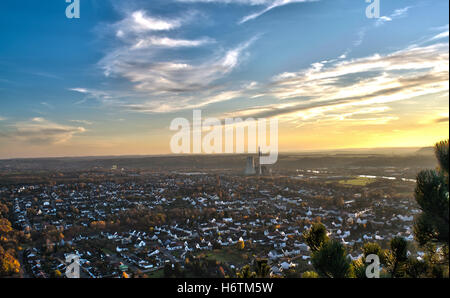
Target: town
x=142, y=223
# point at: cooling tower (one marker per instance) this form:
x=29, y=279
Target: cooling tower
x=250, y=168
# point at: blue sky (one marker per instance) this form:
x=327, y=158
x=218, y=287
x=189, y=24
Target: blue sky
x=111, y=81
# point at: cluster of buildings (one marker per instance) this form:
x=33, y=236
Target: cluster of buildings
x=268, y=214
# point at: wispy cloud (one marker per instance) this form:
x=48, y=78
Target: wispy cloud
x=46, y=104
x=164, y=84
x=401, y=12
x=86, y=122
x=170, y=43
x=362, y=32
x=42, y=131
x=140, y=58
x=359, y=40
x=173, y=76
x=139, y=21
x=139, y=24
x=140, y=31
x=440, y=28
x=398, y=13
x=383, y=19
x=196, y=102
x=441, y=120
x=440, y=35
x=267, y=4
x=105, y=97
x=355, y=85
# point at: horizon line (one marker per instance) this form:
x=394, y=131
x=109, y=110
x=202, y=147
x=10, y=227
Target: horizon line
x=306, y=151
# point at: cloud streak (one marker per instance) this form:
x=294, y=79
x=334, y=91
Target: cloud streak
x=164, y=84
x=167, y=42
x=398, y=13
x=372, y=81
x=270, y=6
x=173, y=76
x=267, y=4
x=40, y=131
x=139, y=21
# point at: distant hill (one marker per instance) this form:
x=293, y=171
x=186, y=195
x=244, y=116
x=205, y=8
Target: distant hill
x=359, y=151
x=292, y=161
x=425, y=151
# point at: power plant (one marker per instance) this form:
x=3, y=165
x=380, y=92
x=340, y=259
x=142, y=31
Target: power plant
x=253, y=168
x=250, y=168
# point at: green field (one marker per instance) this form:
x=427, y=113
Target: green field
x=358, y=181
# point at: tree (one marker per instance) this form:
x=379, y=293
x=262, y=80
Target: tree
x=246, y=273
x=5, y=226
x=397, y=257
x=262, y=268
x=8, y=264
x=310, y=274
x=436, y=261
x=216, y=245
x=316, y=237
x=441, y=151
x=416, y=268
x=331, y=261
x=241, y=244
x=432, y=226
x=373, y=248
x=358, y=268
x=3, y=210
x=57, y=274
x=173, y=270
x=339, y=202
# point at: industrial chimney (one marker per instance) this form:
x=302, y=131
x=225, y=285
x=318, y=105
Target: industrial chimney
x=250, y=168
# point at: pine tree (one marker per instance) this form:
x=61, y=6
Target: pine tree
x=246, y=273
x=432, y=226
x=397, y=257
x=316, y=237
x=331, y=261
x=262, y=268
x=373, y=248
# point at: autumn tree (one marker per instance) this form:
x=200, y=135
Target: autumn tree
x=3, y=209
x=241, y=244
x=9, y=265
x=5, y=226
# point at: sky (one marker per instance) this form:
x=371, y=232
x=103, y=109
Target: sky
x=111, y=82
